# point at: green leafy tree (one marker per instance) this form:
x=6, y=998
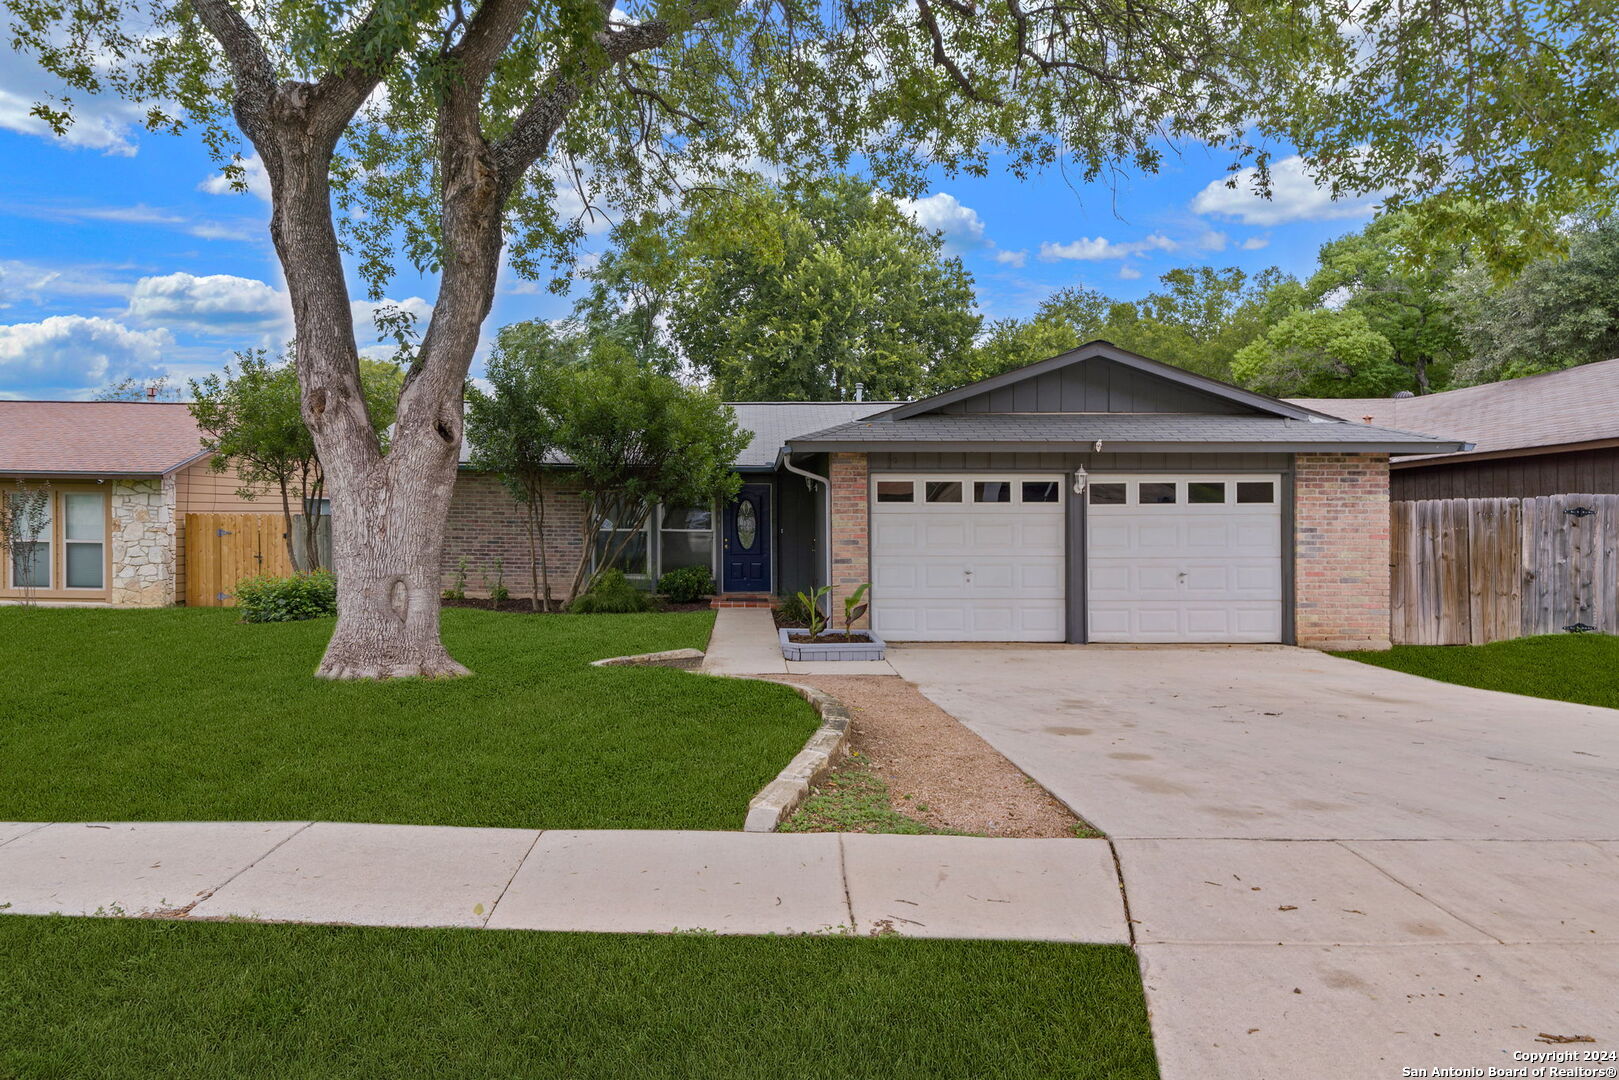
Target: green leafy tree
x=1198, y=320
x=795, y=293
x=513, y=429
x=1558, y=313
x=133, y=389
x=441, y=131
x=637, y=438
x=1320, y=352
x=1385, y=273
x=252, y=423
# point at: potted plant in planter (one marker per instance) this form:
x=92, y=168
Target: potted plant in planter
x=819, y=642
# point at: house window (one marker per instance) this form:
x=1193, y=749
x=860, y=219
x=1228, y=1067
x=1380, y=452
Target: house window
x=619, y=534
x=84, y=534
x=686, y=538
x=31, y=561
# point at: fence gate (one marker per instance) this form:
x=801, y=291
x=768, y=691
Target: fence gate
x=222, y=549
x=1468, y=571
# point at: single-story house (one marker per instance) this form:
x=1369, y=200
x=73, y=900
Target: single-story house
x=1098, y=496
x=123, y=476
x=1551, y=434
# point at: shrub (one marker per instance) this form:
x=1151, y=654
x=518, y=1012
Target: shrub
x=794, y=610
x=687, y=585
x=611, y=595
x=287, y=599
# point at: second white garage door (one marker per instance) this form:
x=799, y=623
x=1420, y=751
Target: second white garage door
x=968, y=557
x=1184, y=558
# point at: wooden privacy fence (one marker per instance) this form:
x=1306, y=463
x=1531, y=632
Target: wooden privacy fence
x=1467, y=571
x=222, y=549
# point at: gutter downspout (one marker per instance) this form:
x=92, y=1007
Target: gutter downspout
x=826, y=514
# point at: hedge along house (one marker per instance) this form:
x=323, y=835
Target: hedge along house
x=122, y=477
x=1095, y=496
x=1100, y=496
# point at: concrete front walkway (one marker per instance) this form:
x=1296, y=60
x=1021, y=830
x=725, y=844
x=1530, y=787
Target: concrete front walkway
x=525, y=879
x=1332, y=869
x=745, y=642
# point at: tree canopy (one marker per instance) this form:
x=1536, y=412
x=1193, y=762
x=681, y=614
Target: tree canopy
x=796, y=292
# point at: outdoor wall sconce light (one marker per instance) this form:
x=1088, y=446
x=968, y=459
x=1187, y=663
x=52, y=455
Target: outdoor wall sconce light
x=1080, y=476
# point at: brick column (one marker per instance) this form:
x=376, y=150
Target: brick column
x=1341, y=552
x=851, y=546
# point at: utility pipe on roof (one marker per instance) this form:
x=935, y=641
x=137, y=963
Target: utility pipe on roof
x=810, y=480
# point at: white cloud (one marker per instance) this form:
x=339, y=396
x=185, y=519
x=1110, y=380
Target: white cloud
x=1086, y=249
x=214, y=304
x=34, y=282
x=943, y=212
x=71, y=355
x=1254, y=243
x=1128, y=272
x=239, y=231
x=365, y=326
x=1211, y=240
x=106, y=124
x=1295, y=196
x=253, y=175
x=1012, y=258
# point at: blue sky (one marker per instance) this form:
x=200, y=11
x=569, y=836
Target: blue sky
x=123, y=255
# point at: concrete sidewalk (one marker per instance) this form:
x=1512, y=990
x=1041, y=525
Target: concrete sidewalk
x=745, y=642
x=526, y=879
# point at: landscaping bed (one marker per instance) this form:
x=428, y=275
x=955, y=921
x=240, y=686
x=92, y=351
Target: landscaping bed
x=185, y=714
x=1582, y=668
x=916, y=768
x=114, y=999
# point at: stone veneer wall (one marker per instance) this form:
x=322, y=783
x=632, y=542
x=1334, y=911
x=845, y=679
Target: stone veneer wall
x=142, y=542
x=851, y=523
x=486, y=523
x=1341, y=557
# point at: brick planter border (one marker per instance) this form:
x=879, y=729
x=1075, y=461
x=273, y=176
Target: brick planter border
x=781, y=796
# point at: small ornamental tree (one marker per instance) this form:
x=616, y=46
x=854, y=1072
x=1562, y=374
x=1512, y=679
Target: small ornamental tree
x=25, y=515
x=251, y=421
x=639, y=438
x=435, y=131
x=513, y=431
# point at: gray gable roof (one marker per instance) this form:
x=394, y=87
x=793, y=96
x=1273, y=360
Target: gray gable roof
x=1558, y=408
x=1134, y=432
x=772, y=423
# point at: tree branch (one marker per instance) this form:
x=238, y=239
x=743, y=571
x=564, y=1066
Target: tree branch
x=251, y=69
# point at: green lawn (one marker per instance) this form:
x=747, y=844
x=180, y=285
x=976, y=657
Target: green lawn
x=98, y=999
x=1567, y=667
x=186, y=714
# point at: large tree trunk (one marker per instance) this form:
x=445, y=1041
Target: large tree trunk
x=387, y=550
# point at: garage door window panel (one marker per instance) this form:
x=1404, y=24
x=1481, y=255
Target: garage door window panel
x=1109, y=494
x=944, y=491
x=1155, y=494
x=992, y=491
x=896, y=491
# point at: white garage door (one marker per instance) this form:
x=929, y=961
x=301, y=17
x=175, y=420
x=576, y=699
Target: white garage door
x=968, y=557
x=1193, y=557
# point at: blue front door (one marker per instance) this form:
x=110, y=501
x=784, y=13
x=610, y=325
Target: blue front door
x=745, y=565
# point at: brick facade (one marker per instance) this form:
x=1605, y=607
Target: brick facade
x=1341, y=557
x=851, y=544
x=486, y=524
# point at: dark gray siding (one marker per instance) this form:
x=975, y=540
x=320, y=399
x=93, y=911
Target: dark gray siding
x=1576, y=472
x=1096, y=385
x=798, y=530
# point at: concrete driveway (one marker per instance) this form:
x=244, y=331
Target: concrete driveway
x=1332, y=870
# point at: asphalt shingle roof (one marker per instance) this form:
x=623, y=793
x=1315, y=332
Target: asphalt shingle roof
x=106, y=438
x=1576, y=405
x=1132, y=429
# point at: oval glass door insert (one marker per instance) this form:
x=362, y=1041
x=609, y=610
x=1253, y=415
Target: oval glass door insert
x=747, y=525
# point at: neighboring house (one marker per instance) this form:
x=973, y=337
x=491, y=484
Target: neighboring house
x=1551, y=434
x=122, y=476
x=1095, y=496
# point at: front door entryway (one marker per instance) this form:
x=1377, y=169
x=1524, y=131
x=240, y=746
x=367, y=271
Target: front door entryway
x=745, y=560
